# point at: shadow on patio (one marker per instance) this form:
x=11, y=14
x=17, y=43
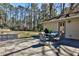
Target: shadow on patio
x=69, y=42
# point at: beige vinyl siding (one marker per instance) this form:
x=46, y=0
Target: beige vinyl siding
x=72, y=29
x=51, y=26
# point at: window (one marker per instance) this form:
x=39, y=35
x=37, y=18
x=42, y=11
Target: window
x=63, y=24
x=60, y=23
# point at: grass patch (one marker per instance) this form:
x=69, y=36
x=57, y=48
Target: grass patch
x=25, y=34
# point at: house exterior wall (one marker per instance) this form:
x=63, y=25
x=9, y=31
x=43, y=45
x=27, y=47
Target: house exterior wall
x=51, y=26
x=72, y=29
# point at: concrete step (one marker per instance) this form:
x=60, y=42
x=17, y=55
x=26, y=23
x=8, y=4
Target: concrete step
x=68, y=51
x=62, y=52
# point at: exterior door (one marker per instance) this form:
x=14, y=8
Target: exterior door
x=61, y=26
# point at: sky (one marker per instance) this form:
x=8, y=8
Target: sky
x=22, y=4
x=27, y=4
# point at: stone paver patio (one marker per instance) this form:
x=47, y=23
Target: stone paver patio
x=31, y=47
x=24, y=47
